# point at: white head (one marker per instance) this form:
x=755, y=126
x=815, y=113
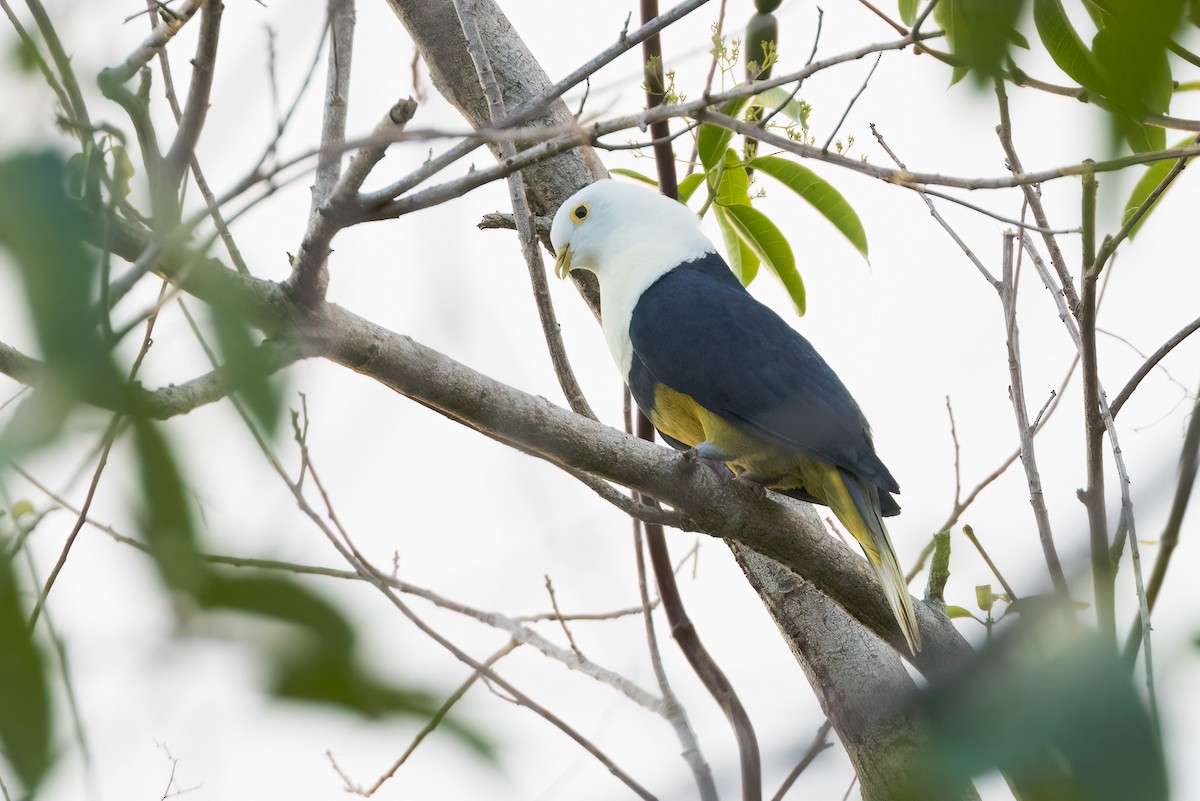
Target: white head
x=613, y=226
x=629, y=236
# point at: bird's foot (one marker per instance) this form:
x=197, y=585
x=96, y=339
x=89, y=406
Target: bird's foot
x=749, y=486
x=707, y=454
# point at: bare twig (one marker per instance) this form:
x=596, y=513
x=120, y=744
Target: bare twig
x=310, y=277
x=1033, y=198
x=1127, y=518
x=195, y=110
x=166, y=29
x=523, y=217
x=1007, y=290
x=1170, y=536
x=970, y=532
x=533, y=107
x=1103, y=575
x=674, y=711
x=561, y=620
x=1110, y=244
x=339, y=206
x=853, y=100
x=820, y=743
x=438, y=717
x=1150, y=363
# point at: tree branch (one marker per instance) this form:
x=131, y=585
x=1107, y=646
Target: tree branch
x=195, y=110
x=310, y=277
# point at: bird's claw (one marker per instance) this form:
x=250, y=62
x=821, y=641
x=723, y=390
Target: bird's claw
x=750, y=487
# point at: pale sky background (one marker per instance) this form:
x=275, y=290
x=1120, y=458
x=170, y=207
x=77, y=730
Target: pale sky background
x=482, y=524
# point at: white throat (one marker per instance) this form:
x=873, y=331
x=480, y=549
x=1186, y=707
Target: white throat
x=627, y=272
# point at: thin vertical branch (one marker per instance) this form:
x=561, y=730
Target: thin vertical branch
x=308, y=285
x=1008, y=301
x=1093, y=496
x=195, y=109
x=1127, y=520
x=1170, y=536
x=682, y=629
x=656, y=95
x=672, y=709
x=523, y=217
x=1033, y=197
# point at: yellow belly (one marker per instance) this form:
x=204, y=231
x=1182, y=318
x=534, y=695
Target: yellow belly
x=680, y=417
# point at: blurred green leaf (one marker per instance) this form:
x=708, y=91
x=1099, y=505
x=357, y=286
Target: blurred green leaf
x=1063, y=43
x=24, y=693
x=734, y=186
x=1140, y=137
x=979, y=32
x=769, y=244
x=908, y=11
x=1151, y=178
x=1131, y=51
x=1056, y=712
x=24, y=56
x=713, y=140
x=166, y=520
x=635, y=175
x=688, y=185
x=319, y=665
x=742, y=260
x=247, y=366
x=43, y=230
x=819, y=193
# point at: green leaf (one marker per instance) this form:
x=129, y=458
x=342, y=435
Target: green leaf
x=25, y=718
x=1141, y=138
x=635, y=175
x=122, y=172
x=166, y=519
x=908, y=11
x=43, y=230
x=734, y=186
x=248, y=368
x=790, y=107
x=1131, y=51
x=819, y=193
x=770, y=245
x=979, y=32
x=954, y=612
x=1149, y=181
x=984, y=596
x=688, y=185
x=742, y=260
x=712, y=140
x=1063, y=43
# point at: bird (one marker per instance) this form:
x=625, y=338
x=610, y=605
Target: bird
x=722, y=376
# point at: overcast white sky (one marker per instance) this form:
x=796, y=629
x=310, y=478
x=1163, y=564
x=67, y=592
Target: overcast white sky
x=483, y=524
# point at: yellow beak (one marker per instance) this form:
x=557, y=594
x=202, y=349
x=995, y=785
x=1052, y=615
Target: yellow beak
x=562, y=264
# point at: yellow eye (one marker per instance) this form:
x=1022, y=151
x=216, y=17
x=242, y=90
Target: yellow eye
x=580, y=212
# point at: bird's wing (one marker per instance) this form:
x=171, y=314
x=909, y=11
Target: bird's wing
x=699, y=332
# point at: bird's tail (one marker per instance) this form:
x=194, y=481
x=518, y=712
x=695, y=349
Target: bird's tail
x=862, y=517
